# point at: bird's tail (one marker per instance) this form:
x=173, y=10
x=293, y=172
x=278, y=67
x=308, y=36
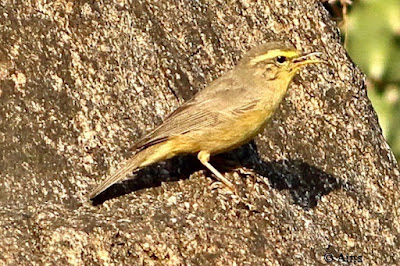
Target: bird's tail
x=135, y=162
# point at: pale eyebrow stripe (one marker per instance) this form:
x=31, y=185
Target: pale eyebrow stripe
x=274, y=53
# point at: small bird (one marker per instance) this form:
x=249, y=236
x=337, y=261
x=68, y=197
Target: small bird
x=229, y=112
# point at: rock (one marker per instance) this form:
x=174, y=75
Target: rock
x=82, y=81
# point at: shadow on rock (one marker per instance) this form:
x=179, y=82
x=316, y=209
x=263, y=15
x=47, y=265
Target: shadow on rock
x=178, y=168
x=306, y=183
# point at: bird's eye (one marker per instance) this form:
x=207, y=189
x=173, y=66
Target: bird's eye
x=281, y=59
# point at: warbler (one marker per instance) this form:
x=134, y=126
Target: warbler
x=229, y=112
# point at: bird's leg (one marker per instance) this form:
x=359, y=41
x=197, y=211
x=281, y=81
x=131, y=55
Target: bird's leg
x=204, y=157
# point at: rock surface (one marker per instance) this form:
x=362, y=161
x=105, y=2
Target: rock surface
x=81, y=81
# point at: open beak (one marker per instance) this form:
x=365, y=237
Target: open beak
x=307, y=59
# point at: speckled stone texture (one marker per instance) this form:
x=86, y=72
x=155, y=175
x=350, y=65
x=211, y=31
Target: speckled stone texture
x=81, y=81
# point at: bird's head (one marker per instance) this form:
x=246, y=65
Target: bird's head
x=276, y=61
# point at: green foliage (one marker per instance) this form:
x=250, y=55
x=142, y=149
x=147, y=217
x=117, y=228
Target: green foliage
x=373, y=32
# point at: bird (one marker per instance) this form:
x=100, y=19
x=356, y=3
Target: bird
x=226, y=114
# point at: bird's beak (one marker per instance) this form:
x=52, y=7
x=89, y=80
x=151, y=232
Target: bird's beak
x=307, y=59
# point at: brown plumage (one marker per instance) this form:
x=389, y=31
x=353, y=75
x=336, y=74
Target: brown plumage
x=229, y=112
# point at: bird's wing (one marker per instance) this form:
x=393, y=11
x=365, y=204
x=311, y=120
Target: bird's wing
x=189, y=117
x=196, y=114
